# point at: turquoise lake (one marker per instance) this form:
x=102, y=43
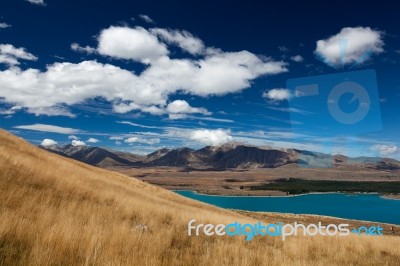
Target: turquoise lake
x=369, y=207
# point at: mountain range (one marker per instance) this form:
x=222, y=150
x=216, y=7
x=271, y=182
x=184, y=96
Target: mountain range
x=227, y=156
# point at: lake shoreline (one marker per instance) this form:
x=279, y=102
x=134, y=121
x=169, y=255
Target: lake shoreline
x=391, y=196
x=384, y=196
x=316, y=218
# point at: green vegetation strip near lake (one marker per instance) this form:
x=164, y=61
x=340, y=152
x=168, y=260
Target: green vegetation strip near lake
x=301, y=186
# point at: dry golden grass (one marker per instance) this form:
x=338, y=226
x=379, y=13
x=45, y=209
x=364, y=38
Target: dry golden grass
x=56, y=211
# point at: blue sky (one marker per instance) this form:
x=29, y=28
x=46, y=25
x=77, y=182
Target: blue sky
x=141, y=76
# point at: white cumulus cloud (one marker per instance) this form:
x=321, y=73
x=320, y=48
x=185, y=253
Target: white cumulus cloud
x=93, y=140
x=131, y=43
x=4, y=25
x=52, y=91
x=76, y=143
x=11, y=110
x=297, y=58
x=185, y=40
x=228, y=72
x=87, y=49
x=211, y=137
x=278, y=94
x=116, y=138
x=150, y=141
x=386, y=150
x=181, y=107
x=10, y=55
x=48, y=142
x=350, y=45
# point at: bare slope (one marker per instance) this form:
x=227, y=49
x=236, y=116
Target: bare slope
x=56, y=211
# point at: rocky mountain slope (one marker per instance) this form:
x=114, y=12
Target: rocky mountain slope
x=227, y=156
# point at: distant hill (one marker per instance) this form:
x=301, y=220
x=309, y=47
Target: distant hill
x=94, y=155
x=227, y=156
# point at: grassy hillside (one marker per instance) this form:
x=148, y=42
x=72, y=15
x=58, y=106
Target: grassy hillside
x=56, y=211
